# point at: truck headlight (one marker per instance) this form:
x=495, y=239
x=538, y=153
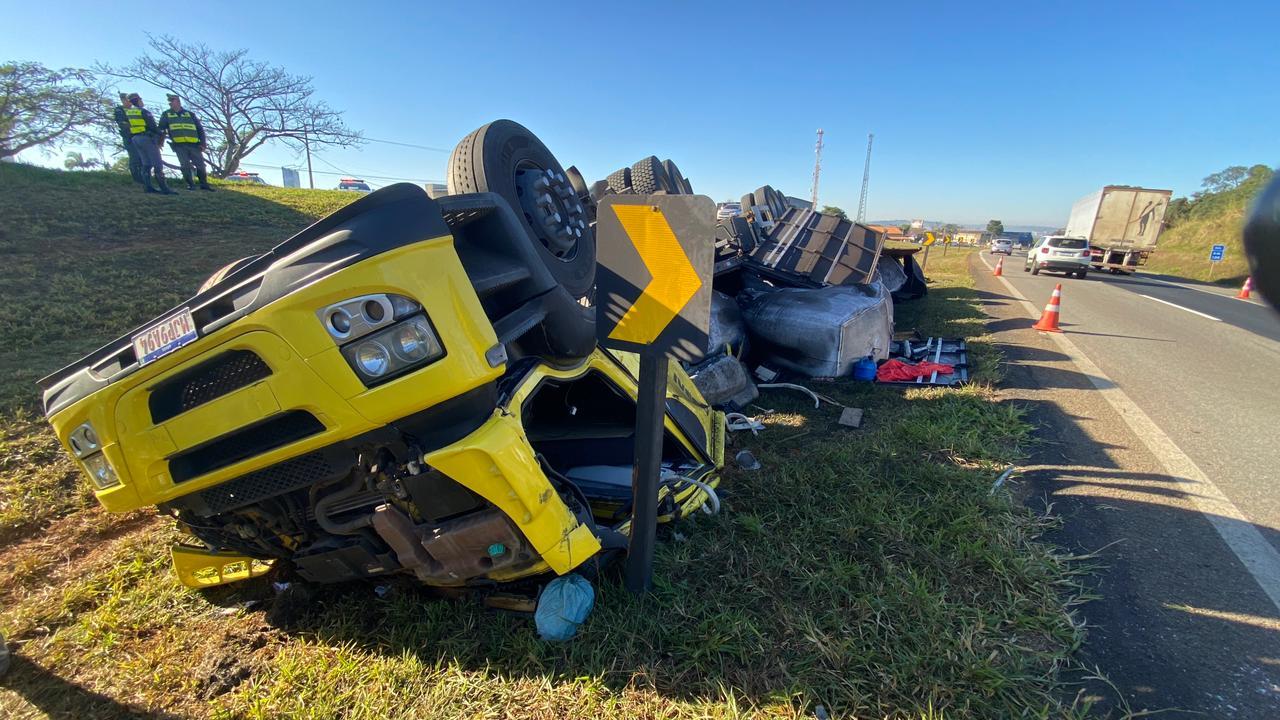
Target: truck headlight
x=399, y=348
x=84, y=441
x=100, y=471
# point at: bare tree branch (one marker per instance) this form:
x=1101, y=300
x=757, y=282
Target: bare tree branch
x=40, y=107
x=243, y=103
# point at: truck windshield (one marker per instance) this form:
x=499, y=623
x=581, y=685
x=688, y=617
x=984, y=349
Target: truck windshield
x=1069, y=243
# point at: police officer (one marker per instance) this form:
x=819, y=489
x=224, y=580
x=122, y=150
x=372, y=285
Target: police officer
x=146, y=140
x=186, y=139
x=123, y=119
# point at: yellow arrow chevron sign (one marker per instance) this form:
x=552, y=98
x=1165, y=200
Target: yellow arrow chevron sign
x=673, y=281
x=653, y=281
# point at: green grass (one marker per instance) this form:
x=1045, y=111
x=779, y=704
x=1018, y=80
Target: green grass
x=1217, y=219
x=88, y=256
x=871, y=571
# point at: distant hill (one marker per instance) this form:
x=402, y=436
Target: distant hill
x=978, y=226
x=1193, y=227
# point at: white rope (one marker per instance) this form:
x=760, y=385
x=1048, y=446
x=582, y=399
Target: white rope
x=737, y=422
x=712, y=498
x=792, y=386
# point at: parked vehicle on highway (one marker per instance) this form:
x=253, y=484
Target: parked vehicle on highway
x=726, y=210
x=1002, y=245
x=1122, y=224
x=354, y=185
x=410, y=385
x=245, y=177
x=1060, y=254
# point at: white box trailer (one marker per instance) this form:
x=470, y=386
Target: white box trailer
x=1122, y=224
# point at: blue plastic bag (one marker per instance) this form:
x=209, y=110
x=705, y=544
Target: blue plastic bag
x=564, y=604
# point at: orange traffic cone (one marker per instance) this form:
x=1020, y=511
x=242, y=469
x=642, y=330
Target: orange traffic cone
x=1244, y=291
x=999, y=267
x=1049, y=318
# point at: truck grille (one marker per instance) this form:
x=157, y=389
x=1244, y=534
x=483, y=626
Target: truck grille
x=276, y=431
x=265, y=483
x=207, y=381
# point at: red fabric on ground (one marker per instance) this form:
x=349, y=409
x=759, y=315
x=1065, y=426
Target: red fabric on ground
x=898, y=371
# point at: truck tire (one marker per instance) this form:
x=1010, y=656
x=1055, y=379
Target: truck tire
x=649, y=177
x=679, y=185
x=619, y=181
x=503, y=157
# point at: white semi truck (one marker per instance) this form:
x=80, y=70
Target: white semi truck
x=1121, y=223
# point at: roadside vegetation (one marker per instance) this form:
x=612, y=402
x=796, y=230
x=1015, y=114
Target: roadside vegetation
x=872, y=571
x=1214, y=216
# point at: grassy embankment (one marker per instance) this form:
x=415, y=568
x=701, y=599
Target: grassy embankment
x=868, y=570
x=1215, y=219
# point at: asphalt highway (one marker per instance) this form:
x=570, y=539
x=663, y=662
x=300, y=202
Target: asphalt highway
x=1158, y=449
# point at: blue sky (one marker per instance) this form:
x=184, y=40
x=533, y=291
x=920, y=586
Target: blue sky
x=980, y=110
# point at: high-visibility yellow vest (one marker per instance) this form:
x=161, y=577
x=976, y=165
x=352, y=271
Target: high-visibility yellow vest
x=182, y=126
x=137, y=125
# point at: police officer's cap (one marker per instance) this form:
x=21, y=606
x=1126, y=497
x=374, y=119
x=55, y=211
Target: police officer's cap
x=135, y=96
x=171, y=96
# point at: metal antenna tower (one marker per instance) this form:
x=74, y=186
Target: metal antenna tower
x=817, y=170
x=866, y=177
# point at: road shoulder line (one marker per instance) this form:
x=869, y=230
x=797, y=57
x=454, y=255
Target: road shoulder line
x=1187, y=309
x=1257, y=555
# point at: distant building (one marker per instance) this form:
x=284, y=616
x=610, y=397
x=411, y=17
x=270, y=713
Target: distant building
x=968, y=237
x=435, y=190
x=1021, y=239
x=917, y=225
x=892, y=233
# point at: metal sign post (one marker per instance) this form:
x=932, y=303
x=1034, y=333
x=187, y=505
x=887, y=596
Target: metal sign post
x=653, y=297
x=1215, y=256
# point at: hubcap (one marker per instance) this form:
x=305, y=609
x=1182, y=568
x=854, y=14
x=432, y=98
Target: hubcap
x=552, y=208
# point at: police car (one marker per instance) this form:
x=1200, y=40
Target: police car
x=354, y=185
x=245, y=177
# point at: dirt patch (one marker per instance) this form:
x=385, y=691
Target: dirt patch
x=67, y=545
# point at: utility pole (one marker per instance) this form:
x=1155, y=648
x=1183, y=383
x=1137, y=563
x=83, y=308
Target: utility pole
x=817, y=170
x=306, y=143
x=866, y=177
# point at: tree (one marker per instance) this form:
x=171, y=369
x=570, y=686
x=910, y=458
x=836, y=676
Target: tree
x=905, y=228
x=995, y=227
x=77, y=161
x=243, y=103
x=1225, y=180
x=833, y=210
x=40, y=107
x=1178, y=210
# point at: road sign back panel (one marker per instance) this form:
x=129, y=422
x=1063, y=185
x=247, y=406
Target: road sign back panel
x=653, y=284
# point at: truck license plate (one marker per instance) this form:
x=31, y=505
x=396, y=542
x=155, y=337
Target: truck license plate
x=164, y=337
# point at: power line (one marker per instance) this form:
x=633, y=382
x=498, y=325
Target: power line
x=324, y=172
x=405, y=144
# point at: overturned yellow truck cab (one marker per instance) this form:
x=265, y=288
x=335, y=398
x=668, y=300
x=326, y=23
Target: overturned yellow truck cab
x=406, y=386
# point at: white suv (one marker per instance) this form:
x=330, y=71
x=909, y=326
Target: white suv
x=1062, y=254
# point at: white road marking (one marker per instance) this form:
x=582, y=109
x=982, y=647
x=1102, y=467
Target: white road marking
x=1258, y=556
x=1193, y=312
x=1180, y=286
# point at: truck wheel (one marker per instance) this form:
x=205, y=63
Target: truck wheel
x=648, y=177
x=679, y=185
x=619, y=181
x=503, y=157
x=1082, y=274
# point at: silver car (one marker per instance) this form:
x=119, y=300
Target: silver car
x=1002, y=245
x=728, y=210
